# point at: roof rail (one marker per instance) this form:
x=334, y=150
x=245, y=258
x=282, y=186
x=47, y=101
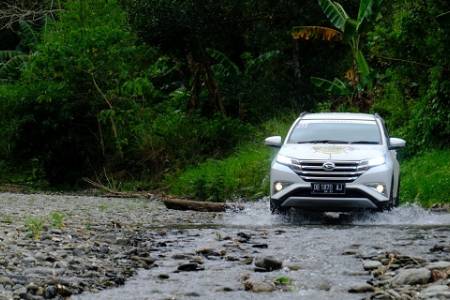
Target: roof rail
x=303, y=113
x=378, y=116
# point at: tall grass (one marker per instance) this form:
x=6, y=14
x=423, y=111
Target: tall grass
x=425, y=179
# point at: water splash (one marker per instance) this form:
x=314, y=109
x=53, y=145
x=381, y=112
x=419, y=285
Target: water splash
x=258, y=214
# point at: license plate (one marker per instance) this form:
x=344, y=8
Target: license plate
x=328, y=188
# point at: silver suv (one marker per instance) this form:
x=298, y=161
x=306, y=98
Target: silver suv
x=335, y=162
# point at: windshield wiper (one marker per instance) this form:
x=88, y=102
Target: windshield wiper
x=365, y=142
x=323, y=142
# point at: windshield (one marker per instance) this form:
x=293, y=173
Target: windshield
x=335, y=132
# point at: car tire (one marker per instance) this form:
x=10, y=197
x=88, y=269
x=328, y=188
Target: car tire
x=397, y=198
x=391, y=202
x=277, y=209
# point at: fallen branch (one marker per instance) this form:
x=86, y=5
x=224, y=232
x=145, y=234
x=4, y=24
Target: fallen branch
x=170, y=202
x=116, y=194
x=204, y=206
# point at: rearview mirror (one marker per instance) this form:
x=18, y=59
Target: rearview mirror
x=273, y=141
x=396, y=143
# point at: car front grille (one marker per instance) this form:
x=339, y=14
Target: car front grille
x=314, y=171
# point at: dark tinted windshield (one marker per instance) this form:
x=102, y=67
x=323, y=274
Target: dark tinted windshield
x=336, y=132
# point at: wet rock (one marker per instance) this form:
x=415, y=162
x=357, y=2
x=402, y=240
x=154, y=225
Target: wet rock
x=293, y=267
x=369, y=265
x=247, y=260
x=439, y=265
x=182, y=256
x=438, y=275
x=244, y=237
x=225, y=289
x=163, y=276
x=268, y=263
x=258, y=286
x=361, y=288
x=6, y=281
x=260, y=246
x=208, y=252
x=436, y=292
x=440, y=248
x=412, y=276
x=50, y=292
x=350, y=252
x=189, y=267
x=63, y=290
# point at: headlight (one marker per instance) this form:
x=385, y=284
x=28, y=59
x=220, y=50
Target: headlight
x=284, y=160
x=373, y=162
x=281, y=185
x=379, y=187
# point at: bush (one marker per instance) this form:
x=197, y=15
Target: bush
x=425, y=178
x=245, y=173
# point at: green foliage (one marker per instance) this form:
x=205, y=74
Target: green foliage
x=425, y=178
x=359, y=75
x=242, y=174
x=57, y=219
x=414, y=82
x=283, y=281
x=35, y=226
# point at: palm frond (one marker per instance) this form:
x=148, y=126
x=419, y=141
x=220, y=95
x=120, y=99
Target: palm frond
x=316, y=33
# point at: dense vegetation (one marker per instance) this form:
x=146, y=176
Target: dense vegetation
x=178, y=95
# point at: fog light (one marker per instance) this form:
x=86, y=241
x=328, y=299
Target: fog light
x=380, y=188
x=278, y=186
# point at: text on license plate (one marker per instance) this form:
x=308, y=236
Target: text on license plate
x=328, y=188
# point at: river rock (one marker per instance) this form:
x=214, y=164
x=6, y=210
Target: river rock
x=412, y=276
x=258, y=286
x=6, y=281
x=268, y=263
x=439, y=265
x=436, y=292
x=369, y=265
x=361, y=288
x=188, y=267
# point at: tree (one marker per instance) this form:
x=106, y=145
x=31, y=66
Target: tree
x=349, y=31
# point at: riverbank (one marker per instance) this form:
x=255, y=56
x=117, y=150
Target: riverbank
x=55, y=246
x=425, y=178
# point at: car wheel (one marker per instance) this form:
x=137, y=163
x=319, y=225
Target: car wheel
x=277, y=209
x=391, y=202
x=397, y=198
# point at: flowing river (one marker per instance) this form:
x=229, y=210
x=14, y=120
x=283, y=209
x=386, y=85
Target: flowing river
x=311, y=248
x=137, y=249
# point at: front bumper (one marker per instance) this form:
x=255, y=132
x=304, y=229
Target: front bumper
x=357, y=194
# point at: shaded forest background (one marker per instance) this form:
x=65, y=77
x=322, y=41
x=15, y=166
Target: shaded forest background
x=177, y=95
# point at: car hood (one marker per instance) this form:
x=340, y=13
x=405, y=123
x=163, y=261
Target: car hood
x=331, y=152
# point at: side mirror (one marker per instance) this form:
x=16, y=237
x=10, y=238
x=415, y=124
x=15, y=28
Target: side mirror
x=396, y=143
x=273, y=141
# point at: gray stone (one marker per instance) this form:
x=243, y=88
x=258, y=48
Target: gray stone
x=6, y=281
x=412, y=276
x=259, y=286
x=439, y=265
x=369, y=265
x=436, y=291
x=361, y=288
x=269, y=263
x=188, y=267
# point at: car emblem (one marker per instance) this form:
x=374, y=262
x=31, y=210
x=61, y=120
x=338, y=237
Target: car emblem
x=328, y=166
